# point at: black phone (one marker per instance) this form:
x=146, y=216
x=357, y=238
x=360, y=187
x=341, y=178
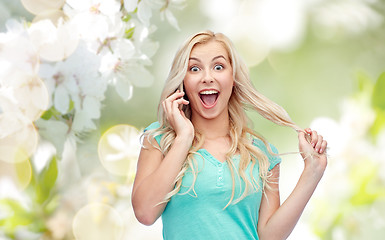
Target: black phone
x=181, y=89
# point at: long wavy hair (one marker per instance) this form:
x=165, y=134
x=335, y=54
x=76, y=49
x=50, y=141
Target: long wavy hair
x=244, y=96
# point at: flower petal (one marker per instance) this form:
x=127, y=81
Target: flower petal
x=171, y=19
x=130, y=5
x=144, y=12
x=61, y=99
x=124, y=89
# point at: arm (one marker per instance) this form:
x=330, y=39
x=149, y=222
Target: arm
x=277, y=222
x=155, y=176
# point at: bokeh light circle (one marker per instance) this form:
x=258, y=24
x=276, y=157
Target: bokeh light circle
x=97, y=221
x=54, y=43
x=19, y=173
x=63, y=47
x=18, y=139
x=119, y=148
x=28, y=94
x=53, y=15
x=40, y=6
x=32, y=98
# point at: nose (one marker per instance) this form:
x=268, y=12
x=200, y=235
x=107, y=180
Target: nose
x=207, y=77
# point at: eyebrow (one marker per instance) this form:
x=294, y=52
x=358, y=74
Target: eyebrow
x=214, y=58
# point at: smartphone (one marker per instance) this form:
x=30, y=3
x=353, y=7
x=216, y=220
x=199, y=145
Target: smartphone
x=181, y=89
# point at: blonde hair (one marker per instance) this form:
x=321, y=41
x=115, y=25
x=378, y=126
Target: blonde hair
x=244, y=95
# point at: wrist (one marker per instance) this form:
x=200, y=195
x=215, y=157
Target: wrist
x=184, y=140
x=314, y=172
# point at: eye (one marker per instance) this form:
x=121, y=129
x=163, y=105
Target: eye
x=218, y=67
x=194, y=69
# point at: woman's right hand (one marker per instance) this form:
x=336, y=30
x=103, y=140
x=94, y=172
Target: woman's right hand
x=176, y=117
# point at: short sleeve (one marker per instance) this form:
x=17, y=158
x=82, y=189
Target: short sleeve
x=274, y=160
x=152, y=126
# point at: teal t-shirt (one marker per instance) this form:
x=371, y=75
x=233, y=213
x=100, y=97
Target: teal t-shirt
x=201, y=215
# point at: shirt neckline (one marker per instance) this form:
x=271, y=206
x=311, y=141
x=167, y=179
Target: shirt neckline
x=214, y=160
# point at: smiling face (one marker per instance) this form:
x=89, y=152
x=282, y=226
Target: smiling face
x=209, y=80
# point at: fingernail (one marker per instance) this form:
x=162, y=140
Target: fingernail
x=320, y=151
x=316, y=149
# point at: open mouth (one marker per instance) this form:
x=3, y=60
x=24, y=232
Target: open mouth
x=209, y=97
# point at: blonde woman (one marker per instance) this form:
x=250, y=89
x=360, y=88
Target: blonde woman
x=202, y=168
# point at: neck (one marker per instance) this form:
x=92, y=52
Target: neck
x=212, y=128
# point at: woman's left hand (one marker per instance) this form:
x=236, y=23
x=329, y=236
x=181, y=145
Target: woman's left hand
x=313, y=152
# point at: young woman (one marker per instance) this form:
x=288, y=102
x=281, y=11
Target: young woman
x=202, y=168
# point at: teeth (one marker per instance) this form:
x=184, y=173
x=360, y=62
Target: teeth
x=209, y=92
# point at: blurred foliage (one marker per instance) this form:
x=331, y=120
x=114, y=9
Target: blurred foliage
x=358, y=212
x=378, y=104
x=43, y=200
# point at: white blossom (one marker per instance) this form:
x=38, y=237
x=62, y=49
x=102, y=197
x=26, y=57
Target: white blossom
x=351, y=17
x=23, y=96
x=77, y=80
x=98, y=43
x=40, y=6
x=167, y=13
x=54, y=131
x=171, y=19
x=54, y=72
x=95, y=20
x=54, y=43
x=130, y=5
x=17, y=53
x=18, y=137
x=144, y=12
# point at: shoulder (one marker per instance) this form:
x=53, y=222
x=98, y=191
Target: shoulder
x=153, y=133
x=274, y=159
x=152, y=126
x=261, y=145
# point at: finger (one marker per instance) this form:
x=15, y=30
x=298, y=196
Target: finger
x=314, y=138
x=323, y=146
x=183, y=115
x=181, y=101
x=317, y=147
x=307, y=134
x=168, y=107
x=164, y=107
x=302, y=137
x=176, y=105
x=175, y=95
x=305, y=147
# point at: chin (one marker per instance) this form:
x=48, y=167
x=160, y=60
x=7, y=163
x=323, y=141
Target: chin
x=210, y=114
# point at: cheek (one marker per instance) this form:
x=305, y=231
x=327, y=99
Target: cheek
x=187, y=88
x=229, y=87
x=229, y=83
x=189, y=83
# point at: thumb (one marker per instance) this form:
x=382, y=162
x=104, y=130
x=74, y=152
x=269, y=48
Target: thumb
x=301, y=136
x=304, y=141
